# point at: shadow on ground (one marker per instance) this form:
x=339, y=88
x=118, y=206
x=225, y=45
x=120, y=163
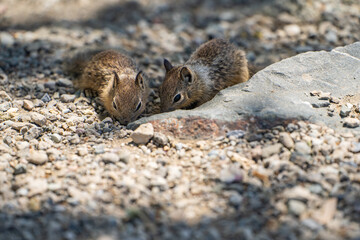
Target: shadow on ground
x=256, y=217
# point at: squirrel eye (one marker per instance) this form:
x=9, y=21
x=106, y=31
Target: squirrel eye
x=177, y=97
x=114, y=105
x=138, y=107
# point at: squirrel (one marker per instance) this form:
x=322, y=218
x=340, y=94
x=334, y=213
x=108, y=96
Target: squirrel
x=115, y=78
x=215, y=65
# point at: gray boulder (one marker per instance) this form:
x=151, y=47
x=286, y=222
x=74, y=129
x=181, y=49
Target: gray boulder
x=277, y=94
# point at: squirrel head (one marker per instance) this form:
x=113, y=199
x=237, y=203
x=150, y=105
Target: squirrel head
x=178, y=88
x=127, y=97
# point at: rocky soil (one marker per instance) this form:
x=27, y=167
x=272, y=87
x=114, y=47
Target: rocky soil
x=67, y=171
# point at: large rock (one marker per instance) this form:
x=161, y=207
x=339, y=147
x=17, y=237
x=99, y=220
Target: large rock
x=277, y=94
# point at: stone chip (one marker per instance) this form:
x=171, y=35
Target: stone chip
x=38, y=157
x=28, y=105
x=286, y=140
x=38, y=119
x=143, y=133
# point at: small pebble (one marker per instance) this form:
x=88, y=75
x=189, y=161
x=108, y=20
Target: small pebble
x=312, y=224
x=28, y=105
x=286, y=140
x=38, y=119
x=6, y=39
x=66, y=98
x=107, y=120
x=174, y=173
x=235, y=199
x=56, y=138
x=124, y=156
x=355, y=147
x=345, y=111
x=143, y=133
x=230, y=175
x=38, y=157
x=83, y=151
x=320, y=104
x=5, y=106
x=331, y=37
x=64, y=82
x=3, y=95
x=296, y=207
x=75, y=139
x=292, y=30
x=22, y=145
x=271, y=150
x=32, y=133
x=46, y=98
x=179, y=146
x=20, y=169
x=160, y=139
x=325, y=96
x=50, y=85
x=7, y=140
x=351, y=122
x=110, y=158
x=213, y=153
x=99, y=149
x=292, y=127
x=335, y=100
x=37, y=186
x=302, y=148
x=235, y=133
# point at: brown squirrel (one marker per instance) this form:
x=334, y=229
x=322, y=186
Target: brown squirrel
x=114, y=76
x=215, y=65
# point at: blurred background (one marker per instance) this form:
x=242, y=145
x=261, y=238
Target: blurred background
x=269, y=30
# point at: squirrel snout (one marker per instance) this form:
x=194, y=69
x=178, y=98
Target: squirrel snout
x=167, y=109
x=123, y=121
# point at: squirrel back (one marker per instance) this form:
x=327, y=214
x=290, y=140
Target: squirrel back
x=215, y=65
x=75, y=64
x=121, y=87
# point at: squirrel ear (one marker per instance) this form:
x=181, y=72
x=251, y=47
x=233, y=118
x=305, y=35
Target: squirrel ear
x=116, y=81
x=186, y=75
x=167, y=65
x=139, y=80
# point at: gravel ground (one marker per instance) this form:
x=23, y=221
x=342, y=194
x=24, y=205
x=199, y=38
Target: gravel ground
x=67, y=171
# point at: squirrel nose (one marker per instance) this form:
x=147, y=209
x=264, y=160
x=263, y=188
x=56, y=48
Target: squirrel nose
x=123, y=121
x=167, y=109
